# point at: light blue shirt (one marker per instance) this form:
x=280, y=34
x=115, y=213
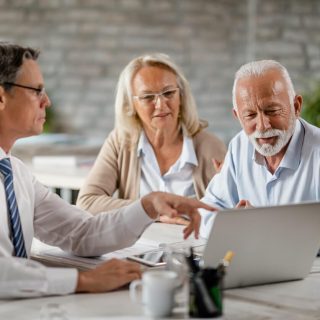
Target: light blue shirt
x=245, y=175
x=177, y=180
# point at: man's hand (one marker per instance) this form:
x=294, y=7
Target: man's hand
x=166, y=204
x=108, y=276
x=177, y=220
x=244, y=204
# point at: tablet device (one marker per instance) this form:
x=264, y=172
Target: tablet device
x=152, y=258
x=156, y=258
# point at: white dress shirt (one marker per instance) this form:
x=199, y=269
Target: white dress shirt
x=46, y=216
x=178, y=179
x=245, y=175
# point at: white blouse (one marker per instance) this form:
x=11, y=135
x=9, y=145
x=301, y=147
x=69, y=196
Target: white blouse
x=178, y=179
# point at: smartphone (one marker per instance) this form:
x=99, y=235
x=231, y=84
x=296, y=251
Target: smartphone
x=153, y=258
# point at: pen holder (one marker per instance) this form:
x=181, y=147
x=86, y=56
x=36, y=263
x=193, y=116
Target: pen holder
x=206, y=293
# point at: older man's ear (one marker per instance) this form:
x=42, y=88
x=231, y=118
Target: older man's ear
x=297, y=105
x=235, y=113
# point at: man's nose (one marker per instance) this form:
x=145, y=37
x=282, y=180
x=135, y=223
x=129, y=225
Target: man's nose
x=46, y=102
x=263, y=123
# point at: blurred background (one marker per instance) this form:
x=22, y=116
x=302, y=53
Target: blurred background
x=86, y=44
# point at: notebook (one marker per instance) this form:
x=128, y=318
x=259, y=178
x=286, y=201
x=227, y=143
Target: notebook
x=270, y=244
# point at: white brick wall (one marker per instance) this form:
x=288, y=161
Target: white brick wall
x=86, y=44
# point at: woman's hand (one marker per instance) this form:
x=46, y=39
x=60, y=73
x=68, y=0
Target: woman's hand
x=217, y=165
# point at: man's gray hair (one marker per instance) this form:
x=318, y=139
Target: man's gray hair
x=11, y=60
x=258, y=68
x=127, y=121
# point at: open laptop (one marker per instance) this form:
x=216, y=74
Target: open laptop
x=270, y=244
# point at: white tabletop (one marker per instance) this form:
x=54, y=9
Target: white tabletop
x=294, y=300
x=57, y=174
x=59, y=177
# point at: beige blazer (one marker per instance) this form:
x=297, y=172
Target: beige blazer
x=117, y=167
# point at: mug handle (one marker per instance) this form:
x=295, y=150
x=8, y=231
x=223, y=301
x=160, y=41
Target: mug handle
x=134, y=285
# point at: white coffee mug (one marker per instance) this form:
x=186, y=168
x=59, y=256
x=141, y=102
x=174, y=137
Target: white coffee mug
x=158, y=288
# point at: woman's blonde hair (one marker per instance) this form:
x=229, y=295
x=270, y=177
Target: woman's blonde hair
x=127, y=122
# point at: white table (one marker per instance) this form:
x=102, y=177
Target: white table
x=66, y=182
x=295, y=300
x=62, y=178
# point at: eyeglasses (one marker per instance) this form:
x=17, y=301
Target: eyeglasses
x=40, y=92
x=152, y=98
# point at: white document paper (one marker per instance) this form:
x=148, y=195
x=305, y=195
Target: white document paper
x=156, y=236
x=44, y=252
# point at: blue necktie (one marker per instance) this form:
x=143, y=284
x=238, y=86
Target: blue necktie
x=14, y=216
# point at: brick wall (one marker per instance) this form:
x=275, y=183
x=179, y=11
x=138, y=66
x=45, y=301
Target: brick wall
x=86, y=44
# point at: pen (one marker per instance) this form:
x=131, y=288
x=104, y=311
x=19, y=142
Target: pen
x=227, y=258
x=225, y=262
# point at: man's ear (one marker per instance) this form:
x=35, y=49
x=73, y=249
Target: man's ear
x=235, y=113
x=2, y=98
x=297, y=103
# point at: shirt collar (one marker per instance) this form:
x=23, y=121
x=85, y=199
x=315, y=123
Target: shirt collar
x=142, y=144
x=188, y=154
x=3, y=154
x=292, y=156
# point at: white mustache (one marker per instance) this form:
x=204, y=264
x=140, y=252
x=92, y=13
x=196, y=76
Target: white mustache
x=267, y=134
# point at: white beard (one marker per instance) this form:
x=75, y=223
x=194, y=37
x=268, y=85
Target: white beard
x=283, y=137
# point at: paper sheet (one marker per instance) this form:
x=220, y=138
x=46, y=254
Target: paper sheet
x=153, y=238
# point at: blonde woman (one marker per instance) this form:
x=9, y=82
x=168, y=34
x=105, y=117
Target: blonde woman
x=158, y=144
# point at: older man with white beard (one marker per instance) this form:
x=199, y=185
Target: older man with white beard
x=275, y=159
